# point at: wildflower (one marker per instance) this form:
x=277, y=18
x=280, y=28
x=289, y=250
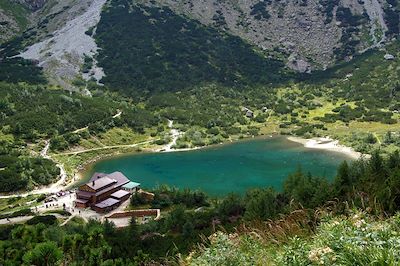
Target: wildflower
x=317, y=255
x=233, y=236
x=359, y=223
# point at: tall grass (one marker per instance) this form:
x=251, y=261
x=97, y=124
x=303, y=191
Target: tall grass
x=304, y=237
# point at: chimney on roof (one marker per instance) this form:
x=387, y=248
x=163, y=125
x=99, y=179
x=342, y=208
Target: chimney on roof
x=93, y=183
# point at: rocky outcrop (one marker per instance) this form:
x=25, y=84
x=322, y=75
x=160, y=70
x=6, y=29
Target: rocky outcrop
x=309, y=33
x=62, y=53
x=32, y=4
x=8, y=26
x=17, y=16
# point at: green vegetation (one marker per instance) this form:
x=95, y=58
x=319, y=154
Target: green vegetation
x=350, y=25
x=20, y=171
x=20, y=70
x=328, y=6
x=19, y=206
x=34, y=112
x=168, y=67
x=167, y=52
x=392, y=16
x=21, y=212
x=352, y=239
x=321, y=229
x=30, y=114
x=339, y=102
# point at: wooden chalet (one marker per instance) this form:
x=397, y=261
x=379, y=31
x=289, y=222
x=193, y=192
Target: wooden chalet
x=104, y=192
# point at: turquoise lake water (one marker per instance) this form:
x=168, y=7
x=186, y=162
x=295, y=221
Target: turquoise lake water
x=221, y=169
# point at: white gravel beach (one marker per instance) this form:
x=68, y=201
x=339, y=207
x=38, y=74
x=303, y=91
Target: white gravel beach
x=328, y=144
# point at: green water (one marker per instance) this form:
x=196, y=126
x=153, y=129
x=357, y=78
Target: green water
x=225, y=168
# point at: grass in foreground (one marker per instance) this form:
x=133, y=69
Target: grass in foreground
x=355, y=239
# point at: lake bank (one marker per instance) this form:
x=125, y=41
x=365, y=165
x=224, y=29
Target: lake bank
x=220, y=169
x=327, y=144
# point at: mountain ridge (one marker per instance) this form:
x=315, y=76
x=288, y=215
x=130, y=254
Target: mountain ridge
x=306, y=35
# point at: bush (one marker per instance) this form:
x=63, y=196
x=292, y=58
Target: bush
x=42, y=197
x=45, y=219
x=61, y=212
x=23, y=212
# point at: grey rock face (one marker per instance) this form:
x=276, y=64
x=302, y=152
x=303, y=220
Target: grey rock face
x=8, y=26
x=307, y=29
x=32, y=4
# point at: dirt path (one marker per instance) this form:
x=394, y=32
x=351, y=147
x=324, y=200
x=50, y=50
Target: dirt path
x=69, y=218
x=15, y=220
x=175, y=134
x=107, y=148
x=377, y=138
x=45, y=150
x=53, y=188
x=61, y=184
x=117, y=115
x=85, y=128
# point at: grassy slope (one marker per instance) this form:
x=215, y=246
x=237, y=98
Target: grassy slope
x=356, y=239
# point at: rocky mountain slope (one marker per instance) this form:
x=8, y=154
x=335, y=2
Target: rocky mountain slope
x=32, y=4
x=56, y=37
x=12, y=19
x=62, y=52
x=312, y=33
x=16, y=16
x=304, y=34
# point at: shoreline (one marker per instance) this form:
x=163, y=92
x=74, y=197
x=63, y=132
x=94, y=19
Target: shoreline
x=84, y=168
x=80, y=174
x=327, y=144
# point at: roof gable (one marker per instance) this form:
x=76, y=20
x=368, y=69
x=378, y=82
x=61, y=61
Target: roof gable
x=99, y=183
x=117, y=176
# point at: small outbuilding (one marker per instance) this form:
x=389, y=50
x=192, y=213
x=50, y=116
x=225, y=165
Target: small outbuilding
x=247, y=112
x=389, y=57
x=131, y=187
x=250, y=114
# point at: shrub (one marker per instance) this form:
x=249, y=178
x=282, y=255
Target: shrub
x=23, y=212
x=45, y=219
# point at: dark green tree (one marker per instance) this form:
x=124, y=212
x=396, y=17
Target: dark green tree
x=45, y=254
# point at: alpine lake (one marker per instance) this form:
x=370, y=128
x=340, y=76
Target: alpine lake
x=222, y=169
